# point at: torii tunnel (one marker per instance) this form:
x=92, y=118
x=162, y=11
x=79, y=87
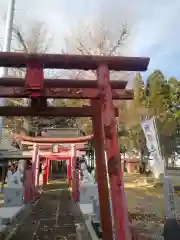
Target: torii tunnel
x=101, y=93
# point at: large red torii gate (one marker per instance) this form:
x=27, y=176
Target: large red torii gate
x=101, y=94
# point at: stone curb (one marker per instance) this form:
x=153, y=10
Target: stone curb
x=9, y=230
x=82, y=231
x=85, y=226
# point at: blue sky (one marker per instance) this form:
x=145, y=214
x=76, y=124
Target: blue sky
x=154, y=24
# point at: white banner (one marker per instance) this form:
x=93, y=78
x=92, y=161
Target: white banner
x=152, y=143
x=158, y=166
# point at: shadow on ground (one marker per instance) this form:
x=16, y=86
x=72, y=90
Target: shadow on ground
x=54, y=216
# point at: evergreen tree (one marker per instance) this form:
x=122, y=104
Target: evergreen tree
x=158, y=93
x=133, y=113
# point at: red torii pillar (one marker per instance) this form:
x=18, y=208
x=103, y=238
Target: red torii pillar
x=69, y=176
x=48, y=170
x=73, y=164
x=45, y=167
x=32, y=177
x=75, y=175
x=101, y=173
x=122, y=231
x=28, y=186
x=35, y=169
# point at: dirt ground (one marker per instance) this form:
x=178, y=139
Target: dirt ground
x=143, y=195
x=55, y=216
x=145, y=202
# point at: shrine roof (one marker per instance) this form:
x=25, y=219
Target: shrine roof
x=12, y=155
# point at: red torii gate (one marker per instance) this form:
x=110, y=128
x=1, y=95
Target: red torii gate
x=102, y=111
x=67, y=153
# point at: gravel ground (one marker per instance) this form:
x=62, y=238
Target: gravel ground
x=54, y=217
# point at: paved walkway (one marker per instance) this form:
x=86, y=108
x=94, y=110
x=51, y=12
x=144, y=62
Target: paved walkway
x=53, y=218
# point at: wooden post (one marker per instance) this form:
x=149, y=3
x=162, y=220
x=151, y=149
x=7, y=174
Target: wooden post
x=48, y=170
x=37, y=171
x=69, y=171
x=113, y=156
x=45, y=171
x=73, y=164
x=101, y=173
x=75, y=175
x=28, y=184
x=34, y=170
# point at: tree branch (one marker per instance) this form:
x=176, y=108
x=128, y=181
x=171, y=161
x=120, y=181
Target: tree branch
x=120, y=41
x=19, y=37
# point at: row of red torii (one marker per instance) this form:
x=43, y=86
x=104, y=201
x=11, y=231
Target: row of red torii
x=101, y=93
x=42, y=153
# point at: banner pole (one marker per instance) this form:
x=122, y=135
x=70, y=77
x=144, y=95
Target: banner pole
x=158, y=144
x=171, y=226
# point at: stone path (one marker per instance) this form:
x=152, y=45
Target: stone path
x=54, y=217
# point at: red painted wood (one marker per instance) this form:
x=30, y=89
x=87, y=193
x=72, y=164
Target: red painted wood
x=34, y=78
x=69, y=177
x=113, y=156
x=101, y=173
x=103, y=113
x=67, y=61
x=73, y=166
x=52, y=140
x=34, y=169
x=75, y=174
x=28, y=186
x=62, y=93
x=48, y=170
x=44, y=170
x=37, y=171
x=62, y=83
x=48, y=111
x=59, y=158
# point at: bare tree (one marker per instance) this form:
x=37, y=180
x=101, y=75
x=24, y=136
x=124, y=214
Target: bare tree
x=96, y=38
x=33, y=40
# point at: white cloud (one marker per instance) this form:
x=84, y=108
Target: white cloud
x=154, y=23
